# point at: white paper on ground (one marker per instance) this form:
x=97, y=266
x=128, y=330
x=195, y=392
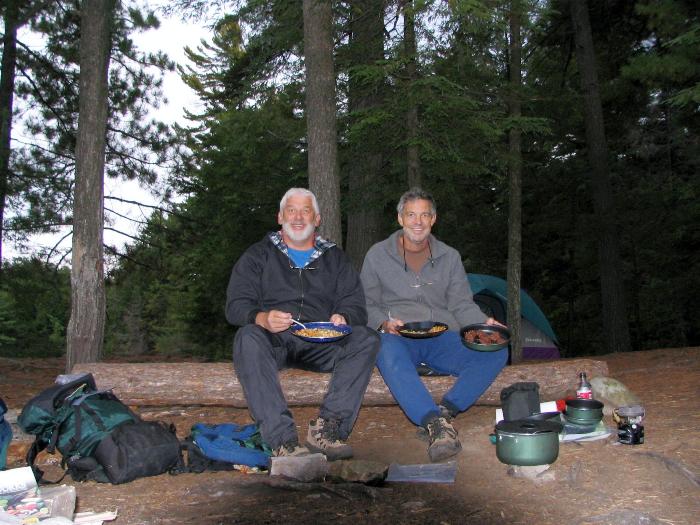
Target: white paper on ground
x=17, y=480
x=94, y=518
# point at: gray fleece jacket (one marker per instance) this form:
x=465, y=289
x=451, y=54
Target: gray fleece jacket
x=440, y=292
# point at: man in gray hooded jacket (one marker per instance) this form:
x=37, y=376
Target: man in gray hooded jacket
x=412, y=276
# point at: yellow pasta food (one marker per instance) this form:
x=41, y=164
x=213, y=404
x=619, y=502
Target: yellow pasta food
x=318, y=333
x=434, y=330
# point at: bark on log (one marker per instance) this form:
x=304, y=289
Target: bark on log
x=215, y=384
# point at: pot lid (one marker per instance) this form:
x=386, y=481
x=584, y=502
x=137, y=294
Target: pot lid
x=528, y=426
x=631, y=411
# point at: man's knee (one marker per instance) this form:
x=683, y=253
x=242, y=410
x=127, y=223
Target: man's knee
x=250, y=342
x=393, y=357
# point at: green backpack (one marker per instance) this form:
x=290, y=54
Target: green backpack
x=73, y=418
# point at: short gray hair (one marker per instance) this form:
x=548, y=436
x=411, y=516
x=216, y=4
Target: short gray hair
x=304, y=193
x=415, y=194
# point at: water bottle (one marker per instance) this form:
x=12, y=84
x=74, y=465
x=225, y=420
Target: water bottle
x=584, y=390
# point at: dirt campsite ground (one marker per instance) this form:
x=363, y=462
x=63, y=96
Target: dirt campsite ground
x=600, y=482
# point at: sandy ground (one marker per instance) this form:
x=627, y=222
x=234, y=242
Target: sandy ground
x=599, y=482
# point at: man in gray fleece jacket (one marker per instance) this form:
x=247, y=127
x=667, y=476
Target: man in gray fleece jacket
x=412, y=276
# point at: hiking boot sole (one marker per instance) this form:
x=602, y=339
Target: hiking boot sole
x=439, y=453
x=332, y=455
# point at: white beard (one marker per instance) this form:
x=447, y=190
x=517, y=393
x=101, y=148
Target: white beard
x=298, y=236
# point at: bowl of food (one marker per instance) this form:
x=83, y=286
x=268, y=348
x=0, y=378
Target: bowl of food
x=320, y=332
x=422, y=329
x=484, y=337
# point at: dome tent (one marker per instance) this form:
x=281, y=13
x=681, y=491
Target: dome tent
x=538, y=338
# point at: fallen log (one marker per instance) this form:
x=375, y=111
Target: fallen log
x=216, y=384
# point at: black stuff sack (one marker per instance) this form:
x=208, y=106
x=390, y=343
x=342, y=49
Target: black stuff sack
x=138, y=450
x=520, y=400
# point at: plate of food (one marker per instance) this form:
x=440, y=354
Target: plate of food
x=484, y=337
x=422, y=329
x=320, y=332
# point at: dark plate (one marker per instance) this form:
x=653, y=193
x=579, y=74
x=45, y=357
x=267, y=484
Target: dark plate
x=488, y=329
x=421, y=329
x=342, y=328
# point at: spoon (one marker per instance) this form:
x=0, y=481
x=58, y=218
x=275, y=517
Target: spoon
x=300, y=324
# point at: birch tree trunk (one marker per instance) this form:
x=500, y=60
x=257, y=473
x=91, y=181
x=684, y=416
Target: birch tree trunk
x=86, y=326
x=324, y=177
x=615, y=323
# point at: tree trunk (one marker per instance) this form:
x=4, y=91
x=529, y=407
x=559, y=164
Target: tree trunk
x=615, y=323
x=514, y=185
x=410, y=50
x=365, y=168
x=324, y=178
x=7, y=87
x=86, y=327
x=168, y=384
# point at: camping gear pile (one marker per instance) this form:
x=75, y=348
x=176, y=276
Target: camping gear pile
x=101, y=439
x=98, y=437
x=526, y=435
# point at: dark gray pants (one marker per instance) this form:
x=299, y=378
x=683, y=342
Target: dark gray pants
x=258, y=355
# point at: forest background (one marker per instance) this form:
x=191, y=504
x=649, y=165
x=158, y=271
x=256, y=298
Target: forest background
x=423, y=96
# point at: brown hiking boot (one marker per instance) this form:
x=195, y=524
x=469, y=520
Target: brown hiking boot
x=443, y=438
x=323, y=437
x=290, y=450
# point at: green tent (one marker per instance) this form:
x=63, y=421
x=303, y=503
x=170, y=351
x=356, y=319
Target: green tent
x=538, y=338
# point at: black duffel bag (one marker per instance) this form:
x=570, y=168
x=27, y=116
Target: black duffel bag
x=140, y=449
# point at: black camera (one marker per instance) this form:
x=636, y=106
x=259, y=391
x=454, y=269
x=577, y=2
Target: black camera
x=630, y=434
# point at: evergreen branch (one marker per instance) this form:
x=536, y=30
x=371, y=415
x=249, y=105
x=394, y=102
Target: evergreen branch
x=114, y=251
x=45, y=226
x=55, y=247
x=110, y=210
x=138, y=239
x=121, y=155
x=40, y=97
x=41, y=148
x=159, y=208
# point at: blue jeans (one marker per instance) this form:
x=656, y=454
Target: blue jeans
x=446, y=354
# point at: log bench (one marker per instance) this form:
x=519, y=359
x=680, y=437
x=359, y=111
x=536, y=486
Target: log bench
x=215, y=384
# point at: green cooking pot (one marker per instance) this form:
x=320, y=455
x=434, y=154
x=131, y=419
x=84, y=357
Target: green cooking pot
x=583, y=411
x=527, y=442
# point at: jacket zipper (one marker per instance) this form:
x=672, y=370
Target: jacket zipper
x=301, y=303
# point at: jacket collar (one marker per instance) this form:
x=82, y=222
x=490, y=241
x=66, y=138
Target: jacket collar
x=321, y=245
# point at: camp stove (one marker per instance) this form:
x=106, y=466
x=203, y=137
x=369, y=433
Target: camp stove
x=629, y=424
